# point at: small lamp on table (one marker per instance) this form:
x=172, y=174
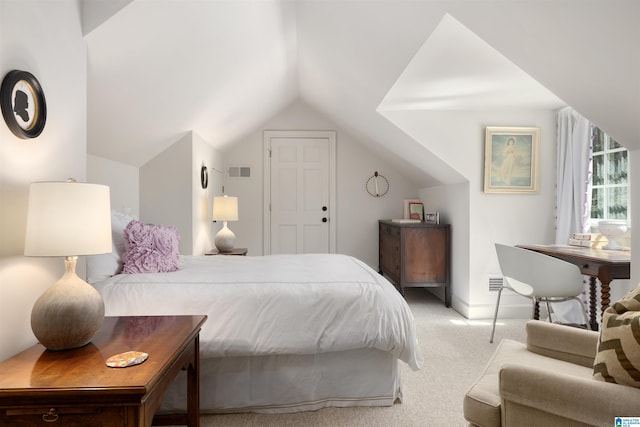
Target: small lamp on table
x=225, y=209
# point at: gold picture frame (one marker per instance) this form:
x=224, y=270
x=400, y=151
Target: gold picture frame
x=511, y=159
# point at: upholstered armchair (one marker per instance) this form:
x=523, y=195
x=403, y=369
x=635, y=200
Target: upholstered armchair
x=547, y=382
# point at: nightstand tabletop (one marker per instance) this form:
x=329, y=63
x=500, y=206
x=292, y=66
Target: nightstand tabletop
x=40, y=377
x=234, y=251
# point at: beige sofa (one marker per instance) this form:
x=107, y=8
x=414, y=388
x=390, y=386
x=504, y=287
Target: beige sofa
x=547, y=382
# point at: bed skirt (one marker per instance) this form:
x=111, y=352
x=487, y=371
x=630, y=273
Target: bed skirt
x=291, y=383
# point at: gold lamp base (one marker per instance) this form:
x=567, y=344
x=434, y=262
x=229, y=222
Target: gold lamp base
x=69, y=313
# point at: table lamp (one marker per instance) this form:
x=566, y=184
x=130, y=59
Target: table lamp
x=67, y=219
x=225, y=209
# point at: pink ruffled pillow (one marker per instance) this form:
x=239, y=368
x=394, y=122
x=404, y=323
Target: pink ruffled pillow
x=150, y=248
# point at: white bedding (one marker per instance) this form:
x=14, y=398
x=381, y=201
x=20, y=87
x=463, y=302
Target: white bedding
x=279, y=304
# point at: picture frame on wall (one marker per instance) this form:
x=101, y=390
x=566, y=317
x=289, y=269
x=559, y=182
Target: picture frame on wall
x=511, y=159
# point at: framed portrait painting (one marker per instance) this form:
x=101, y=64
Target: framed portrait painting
x=511, y=159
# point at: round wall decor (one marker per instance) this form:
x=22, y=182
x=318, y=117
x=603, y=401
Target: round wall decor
x=204, y=177
x=23, y=105
x=377, y=185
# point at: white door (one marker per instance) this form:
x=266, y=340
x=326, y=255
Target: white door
x=299, y=192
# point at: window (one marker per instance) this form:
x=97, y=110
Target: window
x=610, y=185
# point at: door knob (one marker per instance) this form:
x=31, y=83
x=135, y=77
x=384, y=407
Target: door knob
x=324, y=208
x=324, y=220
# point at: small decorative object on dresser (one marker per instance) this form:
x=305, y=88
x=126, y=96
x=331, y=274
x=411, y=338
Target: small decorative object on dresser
x=416, y=211
x=406, y=207
x=415, y=254
x=432, y=217
x=23, y=105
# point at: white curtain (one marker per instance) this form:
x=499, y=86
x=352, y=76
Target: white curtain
x=573, y=194
x=573, y=190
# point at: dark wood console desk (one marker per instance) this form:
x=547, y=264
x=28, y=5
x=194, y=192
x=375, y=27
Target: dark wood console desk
x=39, y=387
x=604, y=265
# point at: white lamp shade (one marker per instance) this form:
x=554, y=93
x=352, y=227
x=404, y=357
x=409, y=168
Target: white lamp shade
x=225, y=208
x=68, y=219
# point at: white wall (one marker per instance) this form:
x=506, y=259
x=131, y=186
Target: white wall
x=171, y=193
x=165, y=190
x=44, y=38
x=458, y=139
x=202, y=228
x=452, y=203
x=357, y=211
x=123, y=181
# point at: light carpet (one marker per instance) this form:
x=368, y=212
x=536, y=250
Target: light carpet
x=455, y=352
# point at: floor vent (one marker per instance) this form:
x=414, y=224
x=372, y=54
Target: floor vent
x=495, y=283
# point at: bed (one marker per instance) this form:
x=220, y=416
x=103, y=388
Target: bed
x=285, y=333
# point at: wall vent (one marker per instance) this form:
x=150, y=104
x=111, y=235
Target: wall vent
x=239, y=172
x=495, y=283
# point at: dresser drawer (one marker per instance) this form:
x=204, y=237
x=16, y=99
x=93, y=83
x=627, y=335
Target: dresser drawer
x=392, y=232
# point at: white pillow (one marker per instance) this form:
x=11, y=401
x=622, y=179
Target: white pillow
x=100, y=267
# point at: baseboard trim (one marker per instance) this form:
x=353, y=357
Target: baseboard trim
x=508, y=310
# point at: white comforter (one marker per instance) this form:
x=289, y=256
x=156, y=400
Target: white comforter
x=279, y=304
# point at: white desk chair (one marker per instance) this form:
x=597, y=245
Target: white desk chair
x=540, y=277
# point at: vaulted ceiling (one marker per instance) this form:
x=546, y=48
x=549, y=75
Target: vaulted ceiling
x=160, y=68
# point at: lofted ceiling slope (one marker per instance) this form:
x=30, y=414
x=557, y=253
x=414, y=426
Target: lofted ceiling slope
x=159, y=68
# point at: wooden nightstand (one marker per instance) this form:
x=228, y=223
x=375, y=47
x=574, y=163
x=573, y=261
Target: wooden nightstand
x=234, y=251
x=39, y=387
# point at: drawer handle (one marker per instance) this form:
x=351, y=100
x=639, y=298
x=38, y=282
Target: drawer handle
x=51, y=416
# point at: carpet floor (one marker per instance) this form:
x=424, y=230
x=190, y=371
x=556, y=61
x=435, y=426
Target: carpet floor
x=455, y=352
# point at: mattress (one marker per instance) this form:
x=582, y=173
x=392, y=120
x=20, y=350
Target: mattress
x=274, y=305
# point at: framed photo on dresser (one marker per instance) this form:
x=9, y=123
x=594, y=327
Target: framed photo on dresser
x=406, y=207
x=432, y=217
x=416, y=211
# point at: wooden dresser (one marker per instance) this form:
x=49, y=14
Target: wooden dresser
x=416, y=255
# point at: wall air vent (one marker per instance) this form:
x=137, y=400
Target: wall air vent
x=495, y=283
x=239, y=172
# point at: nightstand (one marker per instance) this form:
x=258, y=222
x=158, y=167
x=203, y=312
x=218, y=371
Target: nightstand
x=234, y=251
x=76, y=387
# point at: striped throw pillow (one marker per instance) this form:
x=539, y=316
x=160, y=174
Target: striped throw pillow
x=618, y=356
